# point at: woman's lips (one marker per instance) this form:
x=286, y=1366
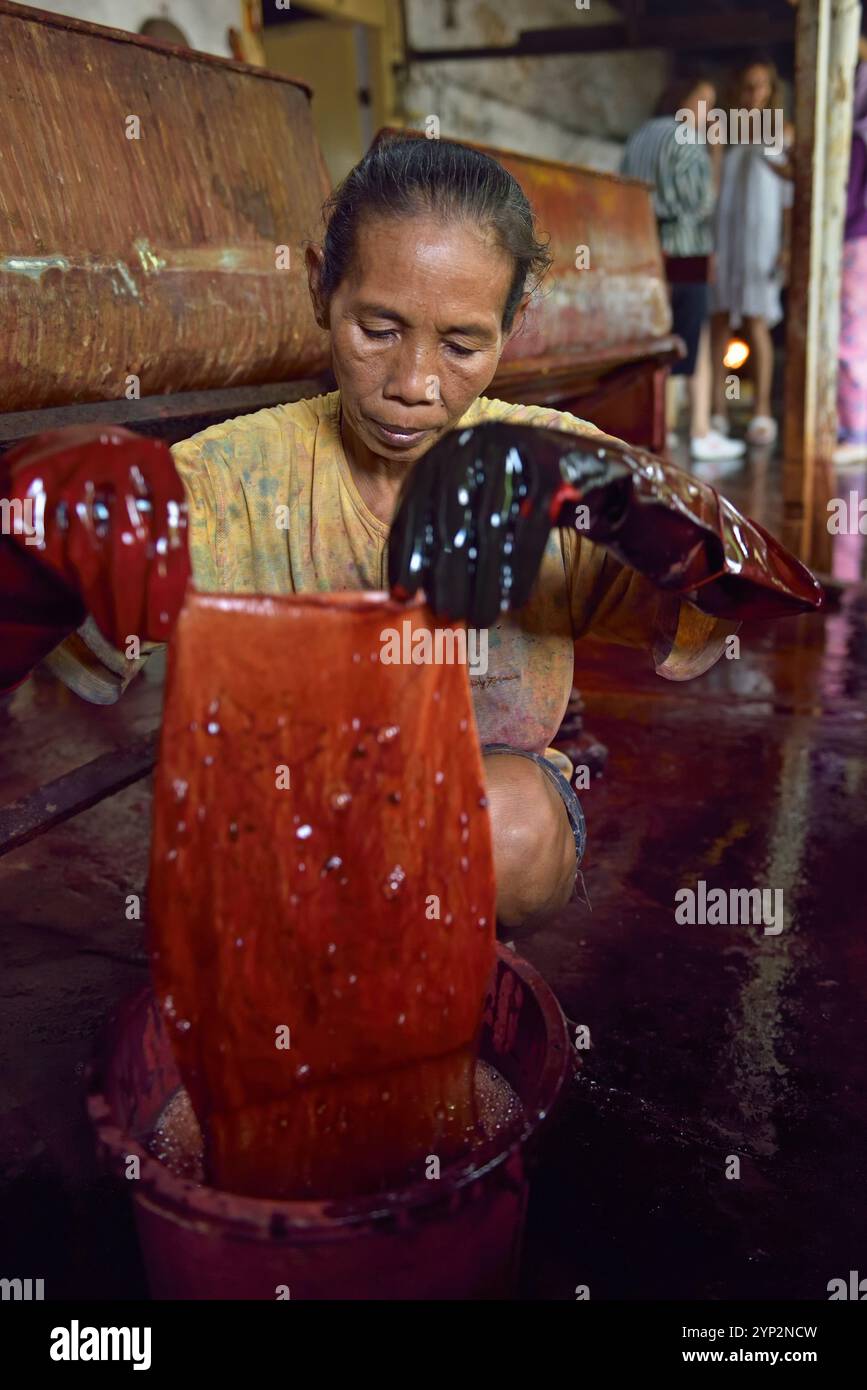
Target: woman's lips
x=398, y=436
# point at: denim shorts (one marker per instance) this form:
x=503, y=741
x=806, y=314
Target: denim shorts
x=565, y=789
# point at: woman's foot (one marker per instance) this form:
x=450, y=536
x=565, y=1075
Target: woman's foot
x=762, y=429
x=713, y=447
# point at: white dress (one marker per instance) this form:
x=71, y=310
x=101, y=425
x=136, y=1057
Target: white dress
x=749, y=236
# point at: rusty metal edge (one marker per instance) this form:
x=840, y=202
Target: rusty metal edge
x=157, y=414
x=388, y=132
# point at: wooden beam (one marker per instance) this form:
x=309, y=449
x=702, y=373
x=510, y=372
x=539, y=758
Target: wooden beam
x=698, y=33
x=168, y=417
x=387, y=53
x=825, y=57
x=371, y=12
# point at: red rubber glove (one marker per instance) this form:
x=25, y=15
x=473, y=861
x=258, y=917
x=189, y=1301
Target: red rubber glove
x=97, y=523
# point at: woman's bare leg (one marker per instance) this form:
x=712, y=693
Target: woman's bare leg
x=700, y=387
x=534, y=848
x=719, y=334
x=763, y=359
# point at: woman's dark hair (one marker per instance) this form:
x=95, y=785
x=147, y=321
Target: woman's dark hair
x=404, y=175
x=679, y=90
x=759, y=59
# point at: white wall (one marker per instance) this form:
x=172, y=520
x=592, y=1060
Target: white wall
x=575, y=107
x=206, y=23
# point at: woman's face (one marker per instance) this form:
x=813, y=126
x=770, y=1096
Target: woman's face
x=756, y=87
x=703, y=92
x=416, y=328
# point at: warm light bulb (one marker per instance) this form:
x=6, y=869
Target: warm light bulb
x=736, y=353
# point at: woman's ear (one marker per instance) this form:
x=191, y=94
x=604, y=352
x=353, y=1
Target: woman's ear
x=518, y=320
x=314, y=260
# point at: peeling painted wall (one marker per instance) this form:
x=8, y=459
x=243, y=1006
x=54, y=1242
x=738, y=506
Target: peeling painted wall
x=206, y=23
x=575, y=107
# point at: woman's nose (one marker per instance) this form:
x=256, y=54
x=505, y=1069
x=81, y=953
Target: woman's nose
x=413, y=371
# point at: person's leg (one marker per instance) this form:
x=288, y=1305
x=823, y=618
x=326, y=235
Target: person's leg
x=700, y=387
x=763, y=358
x=535, y=857
x=719, y=332
x=672, y=403
x=707, y=445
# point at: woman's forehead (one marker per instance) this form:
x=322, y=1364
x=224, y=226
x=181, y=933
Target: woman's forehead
x=428, y=242
x=397, y=258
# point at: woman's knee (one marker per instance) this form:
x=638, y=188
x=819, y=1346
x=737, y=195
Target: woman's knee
x=534, y=848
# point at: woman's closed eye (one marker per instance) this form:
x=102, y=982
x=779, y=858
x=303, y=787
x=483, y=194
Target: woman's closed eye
x=377, y=332
x=381, y=334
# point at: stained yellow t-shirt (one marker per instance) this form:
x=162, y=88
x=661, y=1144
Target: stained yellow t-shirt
x=237, y=474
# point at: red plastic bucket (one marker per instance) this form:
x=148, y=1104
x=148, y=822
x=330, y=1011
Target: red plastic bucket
x=456, y=1237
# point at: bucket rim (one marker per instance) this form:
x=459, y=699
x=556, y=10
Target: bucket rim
x=191, y=1203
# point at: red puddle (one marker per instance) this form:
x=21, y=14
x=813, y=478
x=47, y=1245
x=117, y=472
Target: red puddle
x=321, y=875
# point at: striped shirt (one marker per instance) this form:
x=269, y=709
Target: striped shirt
x=683, y=192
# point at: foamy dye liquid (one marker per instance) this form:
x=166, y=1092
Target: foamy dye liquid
x=177, y=1137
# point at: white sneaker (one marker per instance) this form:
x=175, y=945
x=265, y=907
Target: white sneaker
x=713, y=447
x=848, y=453
x=762, y=429
x=671, y=439
x=720, y=424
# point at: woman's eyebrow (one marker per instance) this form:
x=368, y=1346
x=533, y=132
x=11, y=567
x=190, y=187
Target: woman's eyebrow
x=471, y=330
x=378, y=311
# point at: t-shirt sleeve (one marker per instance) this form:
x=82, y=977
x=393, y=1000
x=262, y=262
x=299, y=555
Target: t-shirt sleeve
x=203, y=534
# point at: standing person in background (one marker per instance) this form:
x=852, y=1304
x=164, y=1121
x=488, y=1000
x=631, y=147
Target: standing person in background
x=852, y=378
x=683, y=201
x=754, y=192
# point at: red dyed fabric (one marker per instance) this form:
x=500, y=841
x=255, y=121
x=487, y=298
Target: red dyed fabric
x=321, y=874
